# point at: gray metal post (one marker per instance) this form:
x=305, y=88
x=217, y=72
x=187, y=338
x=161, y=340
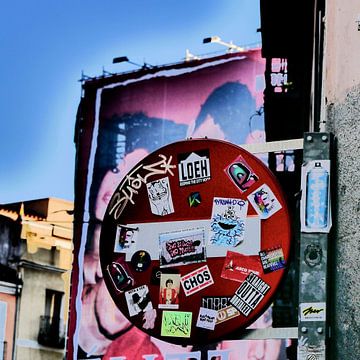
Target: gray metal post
x=313, y=326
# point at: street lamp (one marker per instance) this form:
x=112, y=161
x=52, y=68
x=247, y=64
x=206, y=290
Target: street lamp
x=121, y=59
x=230, y=46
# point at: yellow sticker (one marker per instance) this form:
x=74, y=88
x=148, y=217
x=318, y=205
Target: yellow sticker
x=176, y=323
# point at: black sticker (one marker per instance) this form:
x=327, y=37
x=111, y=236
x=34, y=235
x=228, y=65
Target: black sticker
x=215, y=302
x=194, y=167
x=272, y=259
x=119, y=276
x=194, y=199
x=250, y=293
x=141, y=260
x=156, y=274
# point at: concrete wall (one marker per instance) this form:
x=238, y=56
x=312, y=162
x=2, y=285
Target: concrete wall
x=342, y=107
x=344, y=122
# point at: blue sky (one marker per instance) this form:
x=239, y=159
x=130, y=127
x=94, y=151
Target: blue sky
x=45, y=45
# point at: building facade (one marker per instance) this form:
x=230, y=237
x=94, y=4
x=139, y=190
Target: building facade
x=36, y=239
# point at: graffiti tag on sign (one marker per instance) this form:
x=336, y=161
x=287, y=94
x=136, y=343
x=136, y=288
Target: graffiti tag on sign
x=135, y=180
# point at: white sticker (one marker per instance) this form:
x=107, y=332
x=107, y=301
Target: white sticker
x=196, y=280
x=182, y=247
x=264, y=202
x=228, y=220
x=313, y=311
x=160, y=197
x=125, y=239
x=207, y=318
x=138, y=300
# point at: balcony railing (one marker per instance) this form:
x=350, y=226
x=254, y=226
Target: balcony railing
x=51, y=332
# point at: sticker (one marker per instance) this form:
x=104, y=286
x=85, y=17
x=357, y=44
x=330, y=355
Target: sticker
x=206, y=318
x=182, y=247
x=138, y=300
x=306, y=351
x=315, y=208
x=156, y=274
x=215, y=302
x=228, y=221
x=176, y=323
x=125, y=238
x=264, y=201
x=250, y=293
x=196, y=280
x=149, y=233
x=169, y=291
x=313, y=311
x=119, y=276
x=149, y=318
x=140, y=260
x=194, y=167
x=160, y=197
x=194, y=199
x=226, y=314
x=241, y=174
x=272, y=259
x=238, y=266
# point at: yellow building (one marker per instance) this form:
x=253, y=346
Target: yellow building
x=37, y=238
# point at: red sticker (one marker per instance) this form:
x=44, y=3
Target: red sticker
x=238, y=266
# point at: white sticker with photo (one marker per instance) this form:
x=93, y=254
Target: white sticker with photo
x=138, y=300
x=228, y=220
x=264, y=201
x=160, y=197
x=207, y=318
x=169, y=291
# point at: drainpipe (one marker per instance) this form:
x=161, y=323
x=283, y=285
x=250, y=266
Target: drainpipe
x=17, y=309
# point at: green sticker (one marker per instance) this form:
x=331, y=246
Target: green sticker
x=176, y=323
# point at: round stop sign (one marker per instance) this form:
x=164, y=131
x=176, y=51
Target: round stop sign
x=195, y=241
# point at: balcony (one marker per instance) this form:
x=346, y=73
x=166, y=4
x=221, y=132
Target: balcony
x=51, y=332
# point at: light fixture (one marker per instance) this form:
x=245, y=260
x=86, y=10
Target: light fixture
x=121, y=59
x=230, y=46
